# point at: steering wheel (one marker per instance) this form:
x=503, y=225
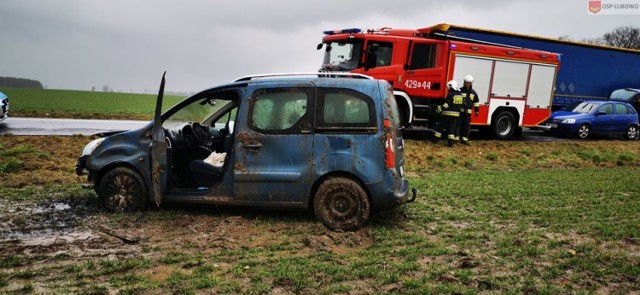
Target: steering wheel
x=196, y=134
x=201, y=134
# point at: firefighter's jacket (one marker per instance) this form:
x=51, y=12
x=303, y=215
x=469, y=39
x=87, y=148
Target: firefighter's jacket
x=453, y=104
x=471, y=101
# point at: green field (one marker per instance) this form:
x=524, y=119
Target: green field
x=511, y=218
x=83, y=104
x=506, y=217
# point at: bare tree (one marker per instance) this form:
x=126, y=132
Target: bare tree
x=623, y=37
x=594, y=41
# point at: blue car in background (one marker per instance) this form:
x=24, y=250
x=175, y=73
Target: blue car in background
x=595, y=117
x=4, y=106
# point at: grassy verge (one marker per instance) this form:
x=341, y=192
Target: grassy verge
x=563, y=221
x=83, y=104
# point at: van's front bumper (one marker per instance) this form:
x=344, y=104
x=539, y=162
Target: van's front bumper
x=81, y=166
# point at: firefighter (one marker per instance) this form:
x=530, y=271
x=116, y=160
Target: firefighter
x=450, y=111
x=471, y=103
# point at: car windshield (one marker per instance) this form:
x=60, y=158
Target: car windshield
x=623, y=94
x=586, y=107
x=198, y=111
x=341, y=55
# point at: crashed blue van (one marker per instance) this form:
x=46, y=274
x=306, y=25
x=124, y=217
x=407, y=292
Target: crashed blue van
x=331, y=144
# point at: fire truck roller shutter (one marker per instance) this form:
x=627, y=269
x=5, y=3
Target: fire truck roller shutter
x=541, y=86
x=480, y=69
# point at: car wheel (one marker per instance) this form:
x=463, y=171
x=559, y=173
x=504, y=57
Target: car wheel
x=503, y=125
x=632, y=132
x=122, y=189
x=584, y=131
x=341, y=204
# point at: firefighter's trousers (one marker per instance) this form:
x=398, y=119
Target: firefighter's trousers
x=441, y=126
x=453, y=132
x=465, y=126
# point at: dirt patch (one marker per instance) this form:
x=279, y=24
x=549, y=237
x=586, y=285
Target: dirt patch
x=339, y=243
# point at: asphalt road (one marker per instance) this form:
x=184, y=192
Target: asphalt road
x=527, y=135
x=42, y=126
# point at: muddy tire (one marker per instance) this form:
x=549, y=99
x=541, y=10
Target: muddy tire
x=342, y=204
x=122, y=190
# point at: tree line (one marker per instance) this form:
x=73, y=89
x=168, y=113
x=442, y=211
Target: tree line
x=621, y=37
x=20, y=83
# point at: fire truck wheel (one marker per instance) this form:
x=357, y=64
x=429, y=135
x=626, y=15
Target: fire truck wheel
x=503, y=125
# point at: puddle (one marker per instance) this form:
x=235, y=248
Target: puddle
x=49, y=219
x=57, y=238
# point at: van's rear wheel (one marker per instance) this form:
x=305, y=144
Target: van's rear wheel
x=122, y=189
x=341, y=204
x=503, y=125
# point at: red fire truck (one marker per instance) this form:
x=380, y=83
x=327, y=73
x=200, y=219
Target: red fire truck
x=515, y=85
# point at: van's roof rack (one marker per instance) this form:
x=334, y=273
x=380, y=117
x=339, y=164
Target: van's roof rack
x=317, y=74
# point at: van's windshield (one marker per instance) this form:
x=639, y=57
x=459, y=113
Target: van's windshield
x=198, y=111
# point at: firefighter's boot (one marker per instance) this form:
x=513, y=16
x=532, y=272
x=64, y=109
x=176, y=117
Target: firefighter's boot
x=436, y=136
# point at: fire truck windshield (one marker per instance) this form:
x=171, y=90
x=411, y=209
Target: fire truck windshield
x=342, y=56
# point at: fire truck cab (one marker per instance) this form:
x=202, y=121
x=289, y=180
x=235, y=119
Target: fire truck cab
x=515, y=85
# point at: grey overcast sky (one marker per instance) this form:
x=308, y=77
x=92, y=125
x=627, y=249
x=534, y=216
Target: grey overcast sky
x=127, y=44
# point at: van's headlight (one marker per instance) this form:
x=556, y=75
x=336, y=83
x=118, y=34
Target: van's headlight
x=88, y=149
x=568, y=121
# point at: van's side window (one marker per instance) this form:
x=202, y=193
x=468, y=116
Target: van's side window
x=339, y=108
x=280, y=110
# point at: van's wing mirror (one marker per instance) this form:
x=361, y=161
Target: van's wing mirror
x=319, y=46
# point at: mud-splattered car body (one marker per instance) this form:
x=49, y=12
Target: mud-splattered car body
x=331, y=144
x=4, y=106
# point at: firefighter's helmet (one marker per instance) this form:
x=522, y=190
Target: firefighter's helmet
x=452, y=84
x=468, y=78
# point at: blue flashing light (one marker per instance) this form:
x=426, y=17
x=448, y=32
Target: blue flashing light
x=343, y=31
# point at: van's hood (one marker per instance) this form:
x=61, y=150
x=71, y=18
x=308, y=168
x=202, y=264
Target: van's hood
x=110, y=133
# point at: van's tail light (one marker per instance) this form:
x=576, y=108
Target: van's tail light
x=389, y=146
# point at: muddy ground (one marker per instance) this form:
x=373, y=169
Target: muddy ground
x=55, y=239
x=44, y=242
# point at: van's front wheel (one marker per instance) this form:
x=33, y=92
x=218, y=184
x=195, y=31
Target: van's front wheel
x=342, y=204
x=122, y=189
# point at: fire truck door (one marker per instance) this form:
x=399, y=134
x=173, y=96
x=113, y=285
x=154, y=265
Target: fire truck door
x=425, y=73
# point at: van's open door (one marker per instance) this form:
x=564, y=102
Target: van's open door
x=158, y=151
